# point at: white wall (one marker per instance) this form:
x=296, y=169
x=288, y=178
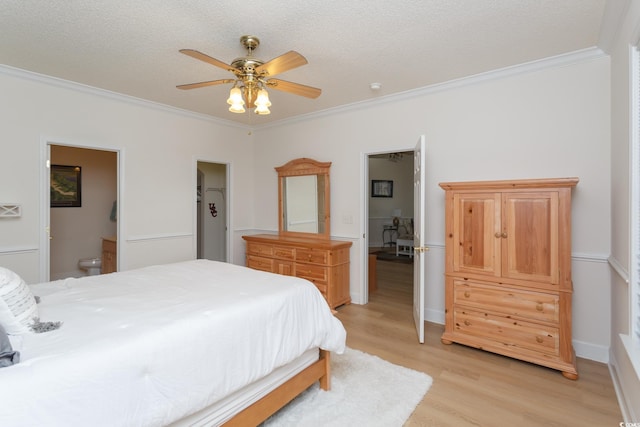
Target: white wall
x=627, y=379
x=550, y=122
x=158, y=150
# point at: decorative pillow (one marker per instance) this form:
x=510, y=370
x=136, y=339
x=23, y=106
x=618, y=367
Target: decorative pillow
x=18, y=307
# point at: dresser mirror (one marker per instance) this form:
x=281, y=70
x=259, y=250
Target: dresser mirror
x=303, y=198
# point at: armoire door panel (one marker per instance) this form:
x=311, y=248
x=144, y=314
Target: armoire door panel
x=477, y=220
x=530, y=250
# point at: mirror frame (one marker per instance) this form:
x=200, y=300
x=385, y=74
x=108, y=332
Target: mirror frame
x=300, y=167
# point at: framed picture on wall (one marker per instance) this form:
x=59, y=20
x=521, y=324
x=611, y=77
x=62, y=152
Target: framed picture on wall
x=65, y=186
x=381, y=188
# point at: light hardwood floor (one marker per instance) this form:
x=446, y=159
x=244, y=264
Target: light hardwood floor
x=472, y=387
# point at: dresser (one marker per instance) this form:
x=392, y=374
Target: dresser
x=323, y=262
x=508, y=286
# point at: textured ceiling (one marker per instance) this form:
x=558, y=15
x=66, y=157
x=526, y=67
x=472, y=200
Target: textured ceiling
x=131, y=46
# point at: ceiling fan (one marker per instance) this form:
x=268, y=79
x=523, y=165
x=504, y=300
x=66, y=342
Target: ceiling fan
x=253, y=76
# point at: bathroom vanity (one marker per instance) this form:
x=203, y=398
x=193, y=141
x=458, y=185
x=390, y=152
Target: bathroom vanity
x=109, y=255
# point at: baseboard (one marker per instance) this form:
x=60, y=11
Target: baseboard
x=434, y=316
x=597, y=353
x=628, y=415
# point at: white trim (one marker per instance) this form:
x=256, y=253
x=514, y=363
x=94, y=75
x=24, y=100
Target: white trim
x=634, y=199
x=624, y=275
x=45, y=210
x=614, y=13
x=67, y=84
x=228, y=207
x=626, y=408
x=163, y=236
x=527, y=67
x=587, y=350
x=18, y=250
x=633, y=350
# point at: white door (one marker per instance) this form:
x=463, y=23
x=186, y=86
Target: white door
x=419, y=236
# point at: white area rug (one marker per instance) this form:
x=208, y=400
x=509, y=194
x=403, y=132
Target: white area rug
x=365, y=391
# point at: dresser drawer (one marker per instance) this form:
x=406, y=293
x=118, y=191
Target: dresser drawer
x=532, y=305
x=314, y=256
x=259, y=249
x=312, y=272
x=284, y=253
x=507, y=331
x=260, y=263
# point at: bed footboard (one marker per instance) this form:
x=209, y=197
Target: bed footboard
x=272, y=402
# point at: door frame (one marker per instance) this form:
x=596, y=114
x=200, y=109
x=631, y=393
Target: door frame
x=228, y=203
x=364, y=214
x=45, y=196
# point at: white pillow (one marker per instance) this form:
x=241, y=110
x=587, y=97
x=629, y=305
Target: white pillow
x=18, y=307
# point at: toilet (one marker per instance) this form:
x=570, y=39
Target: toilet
x=90, y=265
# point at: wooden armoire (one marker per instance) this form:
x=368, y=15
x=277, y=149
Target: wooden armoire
x=508, y=269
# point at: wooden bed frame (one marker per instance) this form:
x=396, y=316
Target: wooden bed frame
x=253, y=415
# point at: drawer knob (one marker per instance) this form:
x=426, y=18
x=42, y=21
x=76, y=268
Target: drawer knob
x=498, y=234
x=539, y=339
x=539, y=306
x=467, y=323
x=467, y=294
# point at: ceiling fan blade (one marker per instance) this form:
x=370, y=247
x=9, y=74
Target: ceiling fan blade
x=204, y=84
x=282, y=63
x=295, y=88
x=206, y=58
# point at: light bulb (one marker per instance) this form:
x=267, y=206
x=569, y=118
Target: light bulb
x=262, y=109
x=236, y=108
x=263, y=99
x=235, y=97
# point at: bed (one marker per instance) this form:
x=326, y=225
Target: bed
x=192, y=343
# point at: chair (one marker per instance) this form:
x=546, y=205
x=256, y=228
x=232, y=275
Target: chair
x=404, y=242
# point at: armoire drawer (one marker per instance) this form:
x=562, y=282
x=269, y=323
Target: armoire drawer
x=507, y=331
x=314, y=256
x=532, y=305
x=260, y=263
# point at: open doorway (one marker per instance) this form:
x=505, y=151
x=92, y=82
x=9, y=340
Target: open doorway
x=389, y=215
x=82, y=210
x=212, y=208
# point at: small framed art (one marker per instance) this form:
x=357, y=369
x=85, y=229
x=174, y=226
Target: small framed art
x=381, y=188
x=66, y=188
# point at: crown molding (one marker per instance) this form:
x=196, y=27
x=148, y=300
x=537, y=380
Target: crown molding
x=527, y=67
x=79, y=87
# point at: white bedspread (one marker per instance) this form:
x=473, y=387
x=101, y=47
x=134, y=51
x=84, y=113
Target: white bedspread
x=150, y=346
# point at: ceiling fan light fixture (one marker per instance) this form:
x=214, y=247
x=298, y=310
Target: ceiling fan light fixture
x=235, y=97
x=235, y=100
x=263, y=98
x=236, y=108
x=262, y=110
x=262, y=102
x=251, y=77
